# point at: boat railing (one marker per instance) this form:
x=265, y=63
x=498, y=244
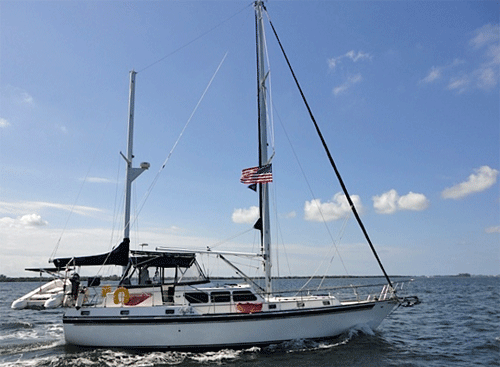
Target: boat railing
x=346, y=292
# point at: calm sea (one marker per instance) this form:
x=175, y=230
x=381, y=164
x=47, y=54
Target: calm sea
x=457, y=324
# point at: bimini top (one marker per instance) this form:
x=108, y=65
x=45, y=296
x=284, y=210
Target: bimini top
x=117, y=256
x=162, y=259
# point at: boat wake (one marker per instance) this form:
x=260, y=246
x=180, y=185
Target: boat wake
x=56, y=353
x=24, y=332
x=20, y=349
x=16, y=325
x=360, y=328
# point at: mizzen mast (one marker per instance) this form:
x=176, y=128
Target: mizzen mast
x=131, y=173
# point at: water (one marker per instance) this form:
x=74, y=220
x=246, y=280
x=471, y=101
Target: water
x=457, y=324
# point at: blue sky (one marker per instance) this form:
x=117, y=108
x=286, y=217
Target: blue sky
x=406, y=93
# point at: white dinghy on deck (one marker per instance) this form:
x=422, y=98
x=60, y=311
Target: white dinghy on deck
x=53, y=294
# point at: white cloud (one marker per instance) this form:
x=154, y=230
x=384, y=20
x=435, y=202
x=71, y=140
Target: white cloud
x=347, y=84
x=28, y=220
x=390, y=202
x=458, y=83
x=249, y=215
x=98, y=180
x=340, y=89
x=351, y=80
x=358, y=56
x=487, y=75
x=386, y=203
x=334, y=209
x=481, y=75
x=413, y=201
x=4, y=123
x=486, y=35
x=484, y=178
x=434, y=74
x=352, y=55
x=18, y=95
x=292, y=214
x=494, y=229
x=25, y=98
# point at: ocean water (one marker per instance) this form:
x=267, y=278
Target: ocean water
x=456, y=324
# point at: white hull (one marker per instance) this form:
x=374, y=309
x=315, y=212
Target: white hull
x=149, y=327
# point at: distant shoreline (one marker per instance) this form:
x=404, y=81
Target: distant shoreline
x=5, y=279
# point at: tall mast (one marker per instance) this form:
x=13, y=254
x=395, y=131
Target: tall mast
x=263, y=159
x=131, y=173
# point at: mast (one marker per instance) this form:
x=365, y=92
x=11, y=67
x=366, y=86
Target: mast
x=263, y=159
x=131, y=173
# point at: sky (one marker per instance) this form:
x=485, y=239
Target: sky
x=406, y=95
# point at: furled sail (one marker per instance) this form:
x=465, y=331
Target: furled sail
x=117, y=256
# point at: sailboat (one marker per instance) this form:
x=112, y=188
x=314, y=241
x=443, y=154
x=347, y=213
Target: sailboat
x=180, y=308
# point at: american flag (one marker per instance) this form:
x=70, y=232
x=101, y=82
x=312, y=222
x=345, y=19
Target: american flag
x=255, y=175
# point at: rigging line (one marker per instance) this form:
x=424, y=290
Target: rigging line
x=312, y=195
x=53, y=254
x=332, y=162
x=115, y=209
x=195, y=39
x=341, y=234
x=148, y=192
x=269, y=95
x=230, y=238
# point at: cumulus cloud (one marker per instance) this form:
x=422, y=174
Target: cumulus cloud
x=28, y=220
x=334, y=209
x=390, y=202
x=4, y=123
x=243, y=215
x=483, y=178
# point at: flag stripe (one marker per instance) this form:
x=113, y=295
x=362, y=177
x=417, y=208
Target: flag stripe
x=253, y=175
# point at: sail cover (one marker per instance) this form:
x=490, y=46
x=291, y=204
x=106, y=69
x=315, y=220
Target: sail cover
x=118, y=256
x=162, y=260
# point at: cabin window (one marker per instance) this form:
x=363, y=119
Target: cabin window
x=196, y=297
x=218, y=297
x=240, y=296
x=272, y=306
